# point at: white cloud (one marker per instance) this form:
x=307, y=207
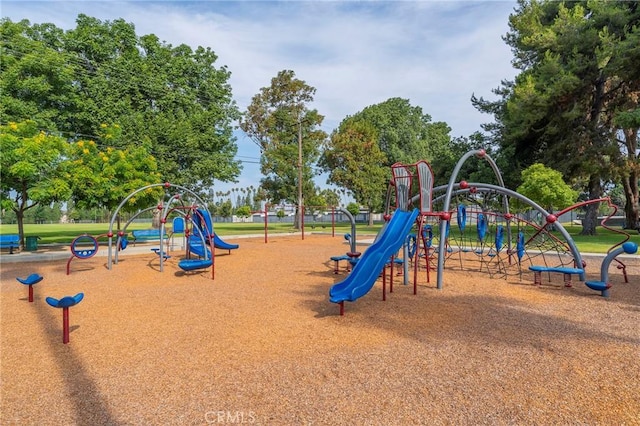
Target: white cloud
x=434, y=53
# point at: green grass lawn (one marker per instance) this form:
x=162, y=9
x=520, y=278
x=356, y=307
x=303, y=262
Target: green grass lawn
x=65, y=233
x=599, y=243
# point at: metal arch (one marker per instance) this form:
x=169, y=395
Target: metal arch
x=447, y=200
x=352, y=243
x=574, y=250
x=166, y=185
x=500, y=188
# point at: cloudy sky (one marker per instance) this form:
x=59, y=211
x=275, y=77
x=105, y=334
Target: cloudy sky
x=355, y=53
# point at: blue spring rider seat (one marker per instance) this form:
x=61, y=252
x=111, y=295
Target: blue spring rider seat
x=65, y=303
x=30, y=281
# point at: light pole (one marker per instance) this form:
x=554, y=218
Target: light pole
x=300, y=204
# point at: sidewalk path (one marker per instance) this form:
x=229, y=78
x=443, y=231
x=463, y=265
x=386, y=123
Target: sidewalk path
x=53, y=252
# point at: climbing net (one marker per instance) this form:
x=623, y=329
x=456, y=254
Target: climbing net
x=482, y=237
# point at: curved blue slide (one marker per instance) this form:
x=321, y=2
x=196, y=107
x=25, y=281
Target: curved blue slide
x=368, y=268
x=217, y=242
x=196, y=247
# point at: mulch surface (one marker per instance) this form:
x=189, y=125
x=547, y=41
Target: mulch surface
x=262, y=344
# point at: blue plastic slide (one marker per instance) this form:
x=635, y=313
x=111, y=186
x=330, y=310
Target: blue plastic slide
x=208, y=225
x=196, y=247
x=368, y=268
x=218, y=243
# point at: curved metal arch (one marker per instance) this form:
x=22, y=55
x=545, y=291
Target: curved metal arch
x=166, y=186
x=481, y=153
x=501, y=190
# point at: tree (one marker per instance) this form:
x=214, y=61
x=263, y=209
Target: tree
x=225, y=209
x=353, y=208
x=404, y=134
x=281, y=123
x=33, y=169
x=37, y=77
x=473, y=170
x=173, y=98
x=316, y=203
x=243, y=211
x=353, y=159
x=546, y=187
x=629, y=169
x=331, y=197
x=577, y=95
x=102, y=176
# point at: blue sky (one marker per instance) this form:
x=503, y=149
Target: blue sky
x=355, y=53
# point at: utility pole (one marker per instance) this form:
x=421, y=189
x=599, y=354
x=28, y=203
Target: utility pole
x=300, y=204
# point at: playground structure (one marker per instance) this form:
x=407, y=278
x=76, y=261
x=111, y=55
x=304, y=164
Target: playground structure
x=604, y=284
x=30, y=281
x=65, y=303
x=86, y=246
x=352, y=255
x=478, y=227
x=193, y=220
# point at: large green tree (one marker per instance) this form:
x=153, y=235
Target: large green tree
x=546, y=187
x=173, y=98
x=574, y=105
x=353, y=159
x=405, y=133
x=39, y=169
x=282, y=123
x=402, y=133
x=37, y=77
x=103, y=176
x=33, y=169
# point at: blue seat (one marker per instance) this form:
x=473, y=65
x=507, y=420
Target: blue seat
x=10, y=241
x=193, y=264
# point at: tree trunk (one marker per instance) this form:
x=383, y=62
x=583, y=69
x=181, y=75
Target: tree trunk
x=630, y=182
x=630, y=185
x=590, y=220
x=21, y=203
x=370, y=217
x=296, y=219
x=20, y=219
x=155, y=219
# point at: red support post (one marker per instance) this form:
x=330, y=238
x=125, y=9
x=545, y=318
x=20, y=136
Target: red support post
x=342, y=308
x=537, y=278
x=68, y=263
x=415, y=263
x=65, y=325
x=384, y=284
x=30, y=293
